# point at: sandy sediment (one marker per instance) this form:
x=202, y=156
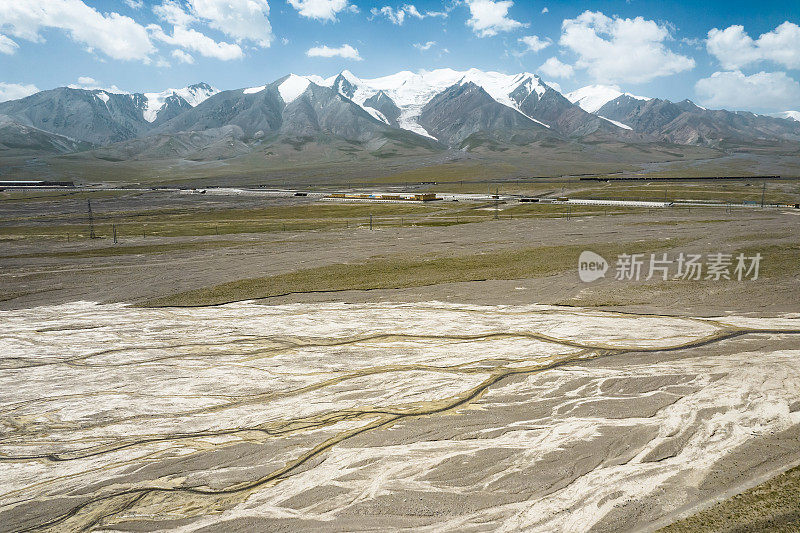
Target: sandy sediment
x=349, y=417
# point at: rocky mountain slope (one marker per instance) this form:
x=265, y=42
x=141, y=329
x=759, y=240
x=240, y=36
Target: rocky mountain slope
x=684, y=122
x=434, y=111
x=100, y=116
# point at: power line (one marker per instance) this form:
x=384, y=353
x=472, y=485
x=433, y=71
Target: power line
x=91, y=219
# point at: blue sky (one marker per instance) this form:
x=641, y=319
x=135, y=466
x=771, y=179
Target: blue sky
x=653, y=48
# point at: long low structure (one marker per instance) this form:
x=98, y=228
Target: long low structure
x=372, y=200
x=383, y=198
x=619, y=203
x=25, y=184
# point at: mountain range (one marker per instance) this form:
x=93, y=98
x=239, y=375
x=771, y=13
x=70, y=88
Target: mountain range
x=429, y=111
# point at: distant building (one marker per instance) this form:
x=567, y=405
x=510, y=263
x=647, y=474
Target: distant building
x=380, y=197
x=34, y=183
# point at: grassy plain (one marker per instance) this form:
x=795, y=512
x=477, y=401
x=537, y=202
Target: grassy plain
x=771, y=506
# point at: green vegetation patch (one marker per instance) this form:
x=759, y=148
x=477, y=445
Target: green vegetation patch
x=395, y=273
x=198, y=222
x=777, y=260
x=771, y=506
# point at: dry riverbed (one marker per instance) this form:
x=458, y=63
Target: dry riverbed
x=347, y=417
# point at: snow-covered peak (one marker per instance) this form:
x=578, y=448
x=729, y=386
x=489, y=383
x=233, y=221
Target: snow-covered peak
x=292, y=87
x=193, y=94
x=197, y=93
x=791, y=115
x=349, y=76
x=500, y=86
x=593, y=97
x=410, y=88
x=410, y=91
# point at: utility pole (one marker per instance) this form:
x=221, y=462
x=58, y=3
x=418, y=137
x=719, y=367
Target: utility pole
x=91, y=219
x=370, y=222
x=763, y=190
x=114, y=229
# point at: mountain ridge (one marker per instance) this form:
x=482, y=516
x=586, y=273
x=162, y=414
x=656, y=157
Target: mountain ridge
x=429, y=110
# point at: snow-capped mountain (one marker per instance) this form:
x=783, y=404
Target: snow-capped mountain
x=683, y=122
x=93, y=116
x=410, y=92
x=426, y=110
x=153, y=103
x=593, y=97
x=400, y=99
x=100, y=116
x=191, y=95
x=792, y=115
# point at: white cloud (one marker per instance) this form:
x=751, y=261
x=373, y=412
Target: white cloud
x=398, y=16
x=7, y=46
x=197, y=42
x=112, y=34
x=555, y=68
x=172, y=12
x=769, y=91
x=693, y=42
x=424, y=47
x=90, y=84
x=15, y=91
x=545, y=10
x=243, y=20
x=533, y=43
x=438, y=14
x=345, y=51
x=735, y=49
x=183, y=57
x=321, y=9
x=134, y=4
x=490, y=17
x=621, y=50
